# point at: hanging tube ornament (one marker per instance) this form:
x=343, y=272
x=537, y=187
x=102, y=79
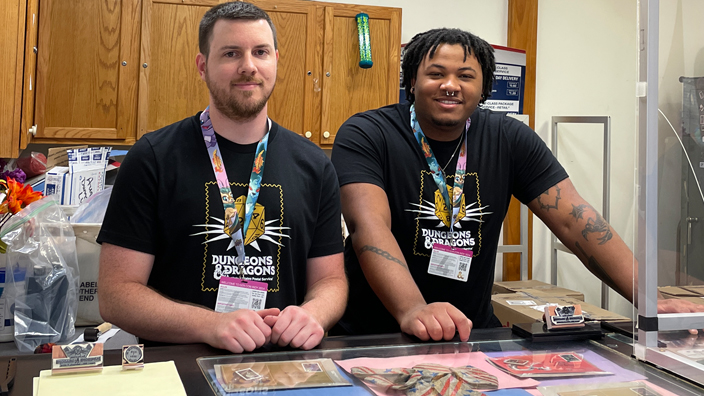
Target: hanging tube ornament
x=365, y=44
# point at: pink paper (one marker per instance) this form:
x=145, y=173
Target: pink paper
x=475, y=359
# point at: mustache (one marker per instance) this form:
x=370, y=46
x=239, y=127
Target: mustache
x=247, y=79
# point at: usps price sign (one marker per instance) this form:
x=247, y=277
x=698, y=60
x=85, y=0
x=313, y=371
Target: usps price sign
x=509, y=81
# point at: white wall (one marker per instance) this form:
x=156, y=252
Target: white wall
x=586, y=66
x=487, y=19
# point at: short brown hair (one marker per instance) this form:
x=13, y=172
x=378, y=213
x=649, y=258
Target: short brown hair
x=233, y=11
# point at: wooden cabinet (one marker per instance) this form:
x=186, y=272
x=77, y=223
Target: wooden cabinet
x=319, y=83
x=12, y=28
x=87, y=70
x=349, y=89
x=171, y=89
x=109, y=71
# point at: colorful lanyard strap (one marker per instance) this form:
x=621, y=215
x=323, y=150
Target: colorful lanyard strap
x=232, y=226
x=438, y=174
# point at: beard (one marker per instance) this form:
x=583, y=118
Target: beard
x=446, y=123
x=232, y=107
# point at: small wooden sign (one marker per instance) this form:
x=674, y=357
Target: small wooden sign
x=133, y=357
x=76, y=358
x=565, y=317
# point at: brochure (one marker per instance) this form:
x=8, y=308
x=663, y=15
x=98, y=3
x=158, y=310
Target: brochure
x=562, y=364
x=267, y=376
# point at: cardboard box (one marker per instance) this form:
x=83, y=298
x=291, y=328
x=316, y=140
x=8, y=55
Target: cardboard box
x=689, y=293
x=535, y=287
x=519, y=307
x=699, y=289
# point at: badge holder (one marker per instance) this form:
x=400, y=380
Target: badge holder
x=133, y=357
x=73, y=358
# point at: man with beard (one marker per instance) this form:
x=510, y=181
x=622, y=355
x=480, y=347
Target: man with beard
x=224, y=228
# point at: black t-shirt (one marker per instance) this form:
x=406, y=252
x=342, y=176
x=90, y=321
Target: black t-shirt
x=166, y=203
x=504, y=158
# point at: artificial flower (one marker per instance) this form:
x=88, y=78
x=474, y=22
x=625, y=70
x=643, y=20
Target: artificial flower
x=17, y=196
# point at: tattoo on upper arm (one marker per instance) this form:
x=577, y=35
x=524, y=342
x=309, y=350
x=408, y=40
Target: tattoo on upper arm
x=596, y=268
x=545, y=199
x=595, y=224
x=382, y=253
x=600, y=226
x=577, y=211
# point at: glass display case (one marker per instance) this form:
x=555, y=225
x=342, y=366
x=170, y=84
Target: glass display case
x=670, y=202
x=519, y=366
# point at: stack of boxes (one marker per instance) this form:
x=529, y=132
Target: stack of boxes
x=524, y=302
x=83, y=177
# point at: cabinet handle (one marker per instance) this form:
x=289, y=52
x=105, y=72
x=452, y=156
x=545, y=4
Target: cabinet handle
x=144, y=65
x=326, y=134
x=327, y=74
x=33, y=130
x=308, y=134
x=124, y=63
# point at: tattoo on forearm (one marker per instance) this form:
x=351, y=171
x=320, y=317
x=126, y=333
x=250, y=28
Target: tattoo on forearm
x=545, y=199
x=382, y=253
x=600, y=226
x=596, y=268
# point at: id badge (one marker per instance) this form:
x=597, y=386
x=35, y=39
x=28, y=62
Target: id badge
x=235, y=293
x=450, y=263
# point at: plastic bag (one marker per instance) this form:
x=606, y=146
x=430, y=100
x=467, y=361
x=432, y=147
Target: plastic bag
x=41, y=256
x=93, y=209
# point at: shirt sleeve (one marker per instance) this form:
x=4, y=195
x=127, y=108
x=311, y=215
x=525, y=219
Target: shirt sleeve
x=327, y=237
x=358, y=152
x=130, y=219
x=535, y=167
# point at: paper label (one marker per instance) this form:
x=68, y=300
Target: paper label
x=541, y=308
x=520, y=302
x=234, y=294
x=449, y=262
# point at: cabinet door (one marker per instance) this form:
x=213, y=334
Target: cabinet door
x=347, y=88
x=11, y=56
x=171, y=89
x=87, y=70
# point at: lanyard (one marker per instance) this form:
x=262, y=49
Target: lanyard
x=438, y=174
x=232, y=226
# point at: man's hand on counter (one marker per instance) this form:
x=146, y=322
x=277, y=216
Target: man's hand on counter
x=242, y=330
x=295, y=326
x=675, y=305
x=436, y=321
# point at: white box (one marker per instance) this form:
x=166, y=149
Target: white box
x=57, y=183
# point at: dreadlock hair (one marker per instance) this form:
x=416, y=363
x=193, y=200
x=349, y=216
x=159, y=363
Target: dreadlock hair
x=428, y=42
x=232, y=11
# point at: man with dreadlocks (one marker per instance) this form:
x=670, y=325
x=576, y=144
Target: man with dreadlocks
x=425, y=186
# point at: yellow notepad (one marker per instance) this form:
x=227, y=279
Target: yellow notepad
x=155, y=379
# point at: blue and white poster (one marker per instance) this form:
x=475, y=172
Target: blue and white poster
x=509, y=81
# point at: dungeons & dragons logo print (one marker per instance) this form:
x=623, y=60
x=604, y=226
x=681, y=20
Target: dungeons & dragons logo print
x=434, y=217
x=266, y=228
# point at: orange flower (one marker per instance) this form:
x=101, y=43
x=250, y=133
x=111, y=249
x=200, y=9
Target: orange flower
x=17, y=196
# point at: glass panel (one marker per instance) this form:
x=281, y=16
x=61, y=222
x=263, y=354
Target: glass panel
x=678, y=124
